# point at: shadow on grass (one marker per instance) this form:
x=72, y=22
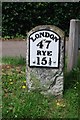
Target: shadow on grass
x=73, y=77
x=70, y=79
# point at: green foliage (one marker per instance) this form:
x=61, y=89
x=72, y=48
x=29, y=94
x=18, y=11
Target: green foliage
x=18, y=103
x=14, y=61
x=18, y=18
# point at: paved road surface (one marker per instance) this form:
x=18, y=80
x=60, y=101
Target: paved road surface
x=13, y=48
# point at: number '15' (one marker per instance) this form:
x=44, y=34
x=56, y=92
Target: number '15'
x=43, y=61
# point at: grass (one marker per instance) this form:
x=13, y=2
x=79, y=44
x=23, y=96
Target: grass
x=18, y=103
x=14, y=61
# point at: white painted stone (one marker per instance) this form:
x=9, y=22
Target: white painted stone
x=48, y=79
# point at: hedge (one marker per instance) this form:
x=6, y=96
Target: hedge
x=20, y=17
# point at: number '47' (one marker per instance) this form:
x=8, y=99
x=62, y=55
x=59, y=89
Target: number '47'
x=41, y=44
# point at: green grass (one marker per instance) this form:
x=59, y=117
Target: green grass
x=19, y=103
x=14, y=61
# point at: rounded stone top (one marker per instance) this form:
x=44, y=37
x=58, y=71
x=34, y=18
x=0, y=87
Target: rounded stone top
x=60, y=32
x=75, y=20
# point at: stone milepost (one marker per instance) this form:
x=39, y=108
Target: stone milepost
x=45, y=60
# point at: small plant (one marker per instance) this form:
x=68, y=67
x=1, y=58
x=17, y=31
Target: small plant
x=19, y=36
x=6, y=37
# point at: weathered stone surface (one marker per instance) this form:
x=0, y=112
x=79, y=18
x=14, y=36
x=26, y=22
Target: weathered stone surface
x=48, y=81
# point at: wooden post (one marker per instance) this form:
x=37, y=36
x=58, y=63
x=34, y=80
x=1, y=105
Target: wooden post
x=73, y=44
